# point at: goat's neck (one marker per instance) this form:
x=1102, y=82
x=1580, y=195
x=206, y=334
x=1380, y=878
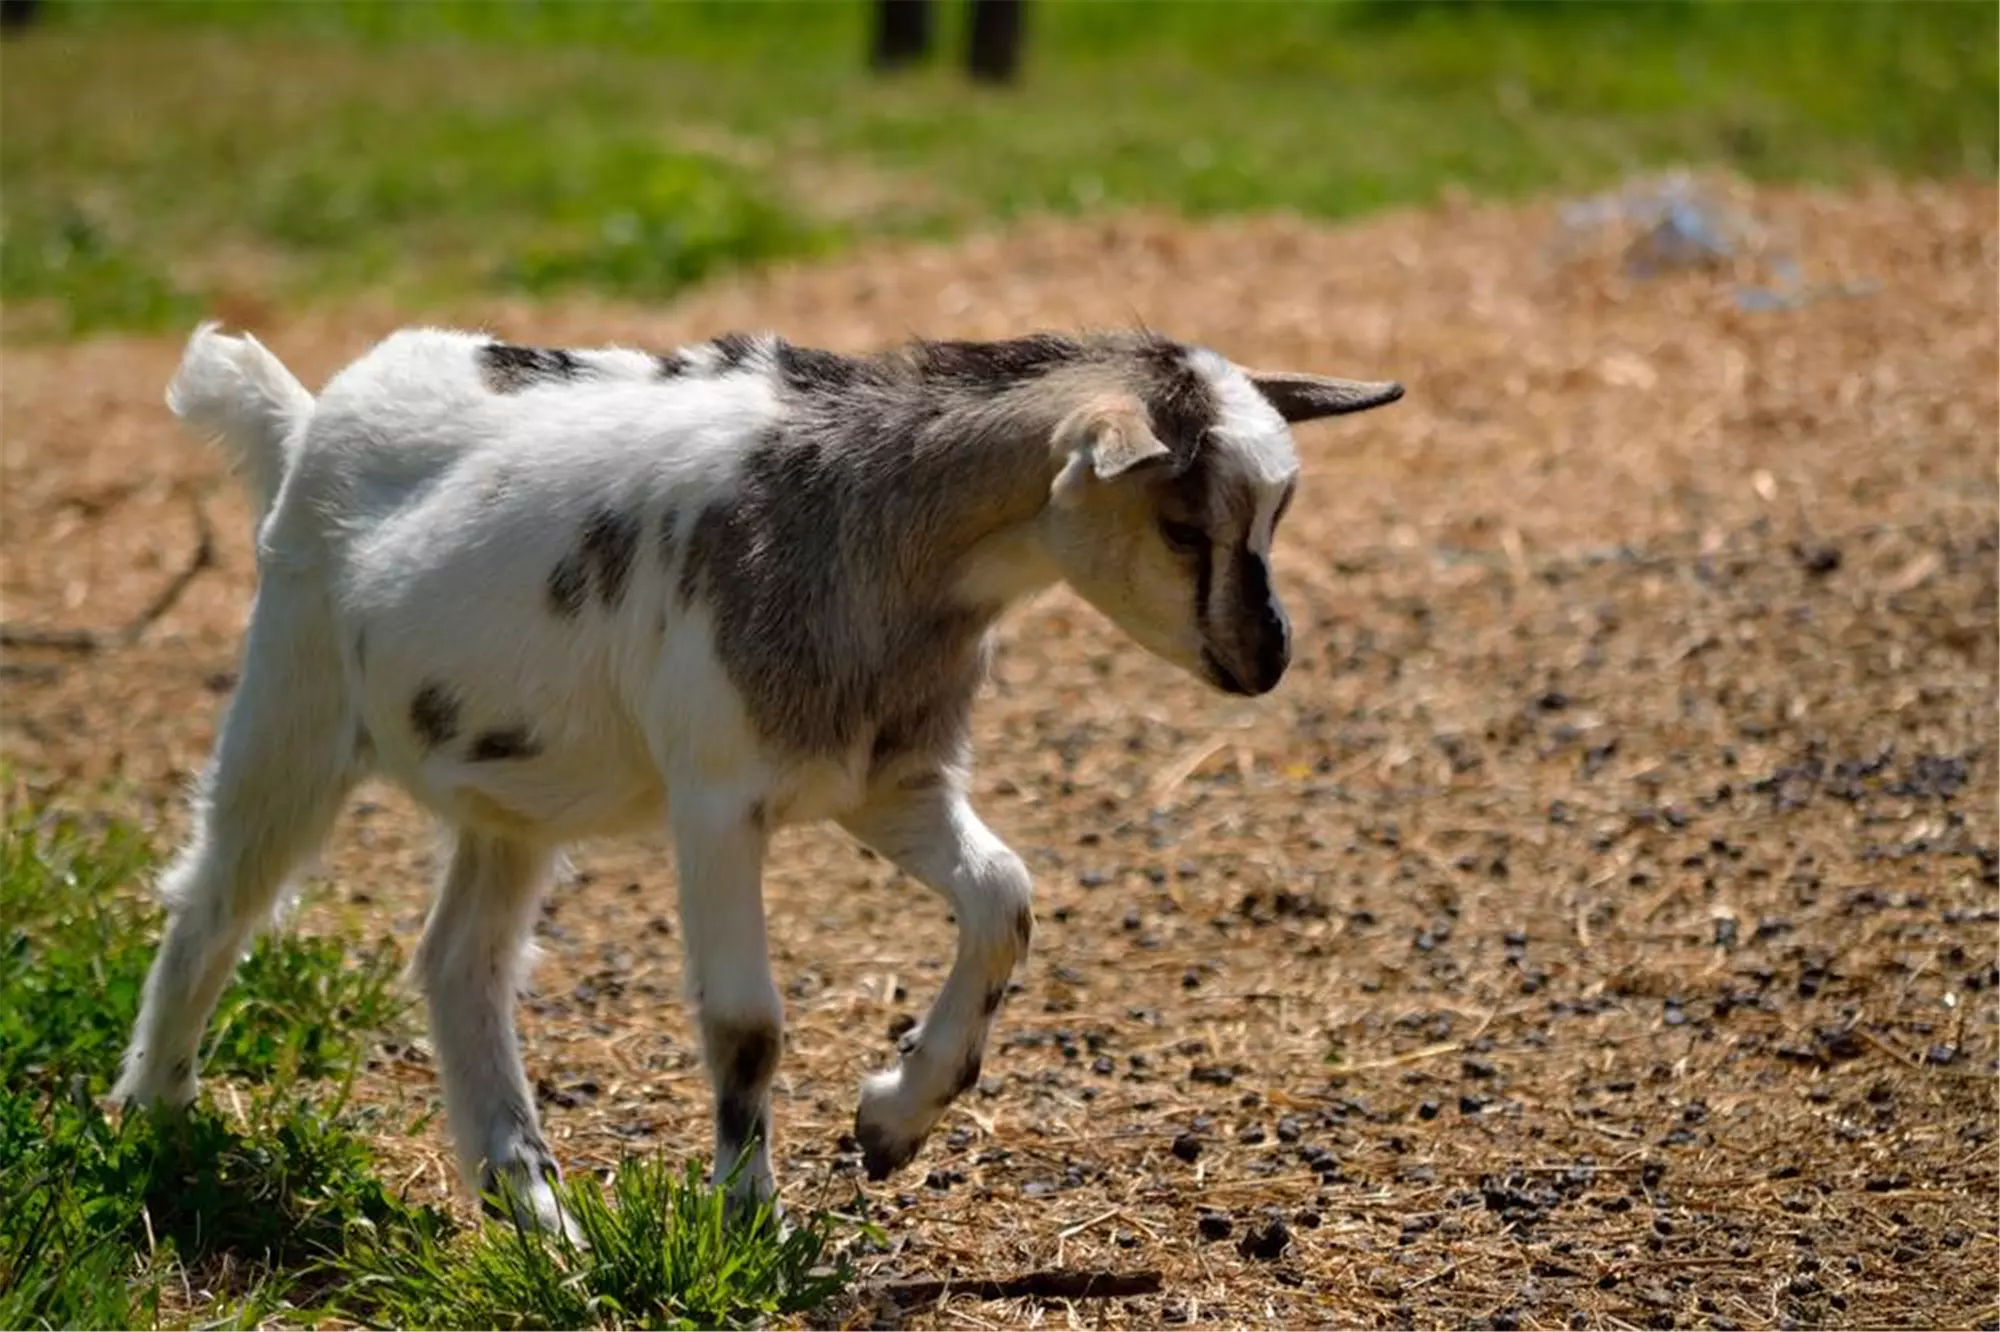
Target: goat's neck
x=971, y=482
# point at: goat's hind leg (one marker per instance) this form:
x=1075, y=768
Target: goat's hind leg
x=287, y=755
x=470, y=961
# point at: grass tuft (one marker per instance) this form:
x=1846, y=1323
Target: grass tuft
x=280, y=1205
x=77, y=942
x=660, y=1251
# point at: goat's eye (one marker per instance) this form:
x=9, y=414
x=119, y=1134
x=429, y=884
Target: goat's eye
x=1184, y=537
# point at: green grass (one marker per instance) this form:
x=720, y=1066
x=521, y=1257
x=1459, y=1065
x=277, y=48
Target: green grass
x=660, y=1251
x=156, y=155
x=75, y=950
x=275, y=1209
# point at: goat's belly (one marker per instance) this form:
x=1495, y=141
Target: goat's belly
x=553, y=797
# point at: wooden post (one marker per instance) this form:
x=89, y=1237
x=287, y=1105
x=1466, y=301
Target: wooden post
x=902, y=33
x=994, y=53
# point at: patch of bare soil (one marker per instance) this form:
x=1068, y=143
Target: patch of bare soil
x=1596, y=929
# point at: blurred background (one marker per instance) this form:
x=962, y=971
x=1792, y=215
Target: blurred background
x=160, y=159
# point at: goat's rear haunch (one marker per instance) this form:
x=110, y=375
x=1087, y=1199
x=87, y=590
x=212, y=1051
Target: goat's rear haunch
x=562, y=594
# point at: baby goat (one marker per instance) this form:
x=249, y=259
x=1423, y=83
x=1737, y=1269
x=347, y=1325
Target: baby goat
x=562, y=594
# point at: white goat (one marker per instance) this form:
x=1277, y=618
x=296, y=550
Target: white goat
x=541, y=590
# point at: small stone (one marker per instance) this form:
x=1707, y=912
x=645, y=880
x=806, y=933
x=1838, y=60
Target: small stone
x=1427, y=1110
x=1187, y=1147
x=1266, y=1242
x=1289, y=1129
x=1214, y=1226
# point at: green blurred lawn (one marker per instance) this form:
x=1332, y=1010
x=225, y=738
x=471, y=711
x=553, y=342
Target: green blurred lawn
x=153, y=152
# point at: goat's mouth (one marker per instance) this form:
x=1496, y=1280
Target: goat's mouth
x=1222, y=677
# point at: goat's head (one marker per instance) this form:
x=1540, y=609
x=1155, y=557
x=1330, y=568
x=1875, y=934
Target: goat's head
x=1177, y=468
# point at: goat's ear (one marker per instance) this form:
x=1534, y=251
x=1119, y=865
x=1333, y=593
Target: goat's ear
x=1301, y=397
x=1115, y=435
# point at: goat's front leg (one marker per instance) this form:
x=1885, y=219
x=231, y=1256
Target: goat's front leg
x=720, y=846
x=930, y=832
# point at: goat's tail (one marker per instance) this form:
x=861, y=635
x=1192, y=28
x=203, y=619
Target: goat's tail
x=233, y=390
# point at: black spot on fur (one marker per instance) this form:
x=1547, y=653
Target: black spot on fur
x=733, y=350
x=744, y=1060
x=434, y=714
x=511, y=369
x=1204, y=583
x=670, y=523
x=760, y=816
x=737, y=1118
x=671, y=365
x=710, y=527
x=569, y=584
x=1260, y=618
x=610, y=540
x=1024, y=927
x=182, y=1068
x=1179, y=401
x=994, y=996
x=968, y=1077
x=995, y=363
x=810, y=370
x=504, y=742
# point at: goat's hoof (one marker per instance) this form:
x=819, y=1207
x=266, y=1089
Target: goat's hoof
x=528, y=1202
x=891, y=1122
x=883, y=1153
x=741, y=1205
x=140, y=1089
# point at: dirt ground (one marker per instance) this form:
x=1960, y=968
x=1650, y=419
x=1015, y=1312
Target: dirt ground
x=1597, y=929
